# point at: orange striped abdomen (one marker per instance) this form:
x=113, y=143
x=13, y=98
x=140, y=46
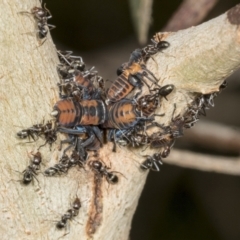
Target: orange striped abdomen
x=93, y=112
x=122, y=115
x=120, y=88
x=86, y=112
x=69, y=112
x=83, y=82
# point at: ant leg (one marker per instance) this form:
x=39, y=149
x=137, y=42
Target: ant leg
x=42, y=145
x=98, y=133
x=114, y=142
x=67, y=232
x=83, y=154
x=50, y=15
x=156, y=169
x=37, y=181
x=149, y=87
x=51, y=27
x=69, y=140
x=174, y=109
x=77, y=131
x=159, y=115
x=137, y=95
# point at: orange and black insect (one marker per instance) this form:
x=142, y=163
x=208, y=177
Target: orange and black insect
x=123, y=115
x=132, y=76
x=123, y=118
x=78, y=85
x=70, y=113
x=163, y=140
x=75, y=80
x=85, y=83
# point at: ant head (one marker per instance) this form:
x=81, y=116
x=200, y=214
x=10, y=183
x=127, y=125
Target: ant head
x=22, y=134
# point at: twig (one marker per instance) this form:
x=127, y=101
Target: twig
x=195, y=64
x=209, y=163
x=190, y=13
x=215, y=136
x=141, y=11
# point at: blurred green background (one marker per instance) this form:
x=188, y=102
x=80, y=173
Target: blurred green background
x=176, y=203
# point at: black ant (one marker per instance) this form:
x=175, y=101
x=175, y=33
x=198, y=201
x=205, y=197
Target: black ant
x=175, y=128
x=76, y=159
x=69, y=215
x=31, y=171
x=47, y=131
x=102, y=169
x=152, y=162
x=152, y=49
x=65, y=163
x=41, y=16
x=43, y=29
x=59, y=168
x=30, y=133
x=142, y=55
x=70, y=62
x=148, y=104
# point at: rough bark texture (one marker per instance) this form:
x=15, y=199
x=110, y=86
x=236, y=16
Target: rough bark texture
x=198, y=60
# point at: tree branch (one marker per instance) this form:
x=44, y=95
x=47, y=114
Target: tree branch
x=215, y=137
x=204, y=162
x=190, y=13
x=194, y=62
